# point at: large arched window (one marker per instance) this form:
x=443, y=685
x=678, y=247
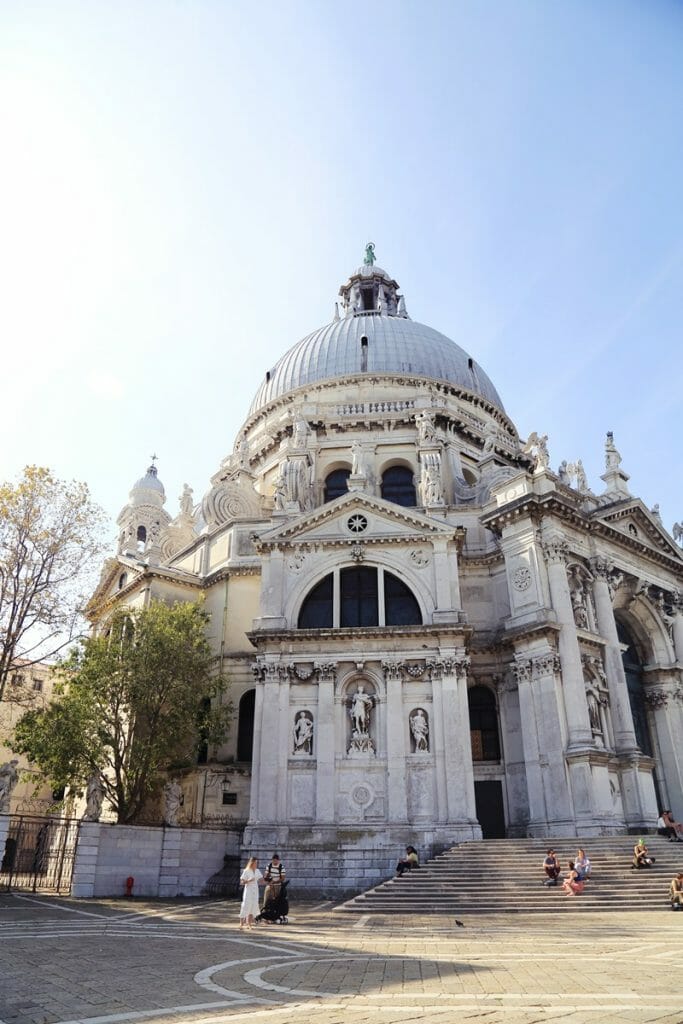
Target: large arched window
x=633, y=669
x=245, y=726
x=365, y=597
x=336, y=483
x=398, y=486
x=483, y=724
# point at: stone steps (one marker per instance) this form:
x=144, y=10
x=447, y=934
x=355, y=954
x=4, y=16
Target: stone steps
x=497, y=876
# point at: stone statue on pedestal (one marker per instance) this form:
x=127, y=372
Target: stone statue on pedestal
x=8, y=780
x=94, y=795
x=419, y=728
x=173, y=801
x=360, y=711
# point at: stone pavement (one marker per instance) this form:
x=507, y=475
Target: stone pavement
x=106, y=962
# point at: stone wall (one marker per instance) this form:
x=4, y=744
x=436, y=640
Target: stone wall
x=164, y=862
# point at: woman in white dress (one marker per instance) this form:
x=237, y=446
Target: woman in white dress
x=250, y=878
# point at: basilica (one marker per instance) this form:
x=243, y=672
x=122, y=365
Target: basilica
x=430, y=634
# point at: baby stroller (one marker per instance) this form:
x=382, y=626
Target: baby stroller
x=276, y=909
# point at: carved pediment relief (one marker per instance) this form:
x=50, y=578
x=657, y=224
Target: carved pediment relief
x=359, y=518
x=641, y=526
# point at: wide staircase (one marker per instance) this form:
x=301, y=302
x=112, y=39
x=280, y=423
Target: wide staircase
x=506, y=876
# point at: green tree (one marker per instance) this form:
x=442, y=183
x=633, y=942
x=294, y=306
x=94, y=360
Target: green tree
x=131, y=704
x=50, y=540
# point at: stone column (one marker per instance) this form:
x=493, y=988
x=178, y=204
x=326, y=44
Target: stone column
x=325, y=743
x=677, y=627
x=666, y=703
x=396, y=752
x=438, y=743
x=573, y=688
x=85, y=861
x=551, y=807
x=622, y=720
x=273, y=720
x=455, y=747
x=255, y=794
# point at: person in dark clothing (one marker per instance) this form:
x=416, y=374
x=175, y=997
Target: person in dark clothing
x=409, y=862
x=551, y=866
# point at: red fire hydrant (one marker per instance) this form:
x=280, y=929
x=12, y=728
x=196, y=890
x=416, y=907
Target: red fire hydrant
x=130, y=882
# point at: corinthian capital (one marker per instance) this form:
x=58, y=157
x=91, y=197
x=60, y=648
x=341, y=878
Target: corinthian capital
x=393, y=670
x=327, y=671
x=555, y=549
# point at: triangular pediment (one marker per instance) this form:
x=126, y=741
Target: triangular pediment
x=359, y=517
x=639, y=526
x=117, y=575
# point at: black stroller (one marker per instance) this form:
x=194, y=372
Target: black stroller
x=276, y=910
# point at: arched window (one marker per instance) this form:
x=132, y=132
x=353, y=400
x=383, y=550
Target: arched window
x=483, y=724
x=400, y=605
x=316, y=611
x=398, y=486
x=359, y=604
x=245, y=726
x=123, y=579
x=142, y=535
x=336, y=483
x=633, y=669
x=358, y=601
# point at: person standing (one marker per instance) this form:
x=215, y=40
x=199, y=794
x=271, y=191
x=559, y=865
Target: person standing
x=274, y=877
x=250, y=878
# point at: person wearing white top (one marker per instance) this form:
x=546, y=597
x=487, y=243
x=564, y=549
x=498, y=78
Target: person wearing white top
x=250, y=878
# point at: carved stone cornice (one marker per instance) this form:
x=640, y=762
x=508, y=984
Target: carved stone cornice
x=270, y=671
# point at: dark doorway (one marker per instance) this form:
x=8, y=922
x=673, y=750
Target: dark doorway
x=488, y=799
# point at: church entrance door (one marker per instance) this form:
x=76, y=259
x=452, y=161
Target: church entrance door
x=488, y=798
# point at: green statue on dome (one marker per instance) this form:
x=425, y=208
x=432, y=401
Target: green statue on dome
x=369, y=260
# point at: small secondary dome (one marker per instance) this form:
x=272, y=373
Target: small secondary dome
x=374, y=335
x=148, y=489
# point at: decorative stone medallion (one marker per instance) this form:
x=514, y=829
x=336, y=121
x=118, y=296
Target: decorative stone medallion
x=357, y=523
x=521, y=578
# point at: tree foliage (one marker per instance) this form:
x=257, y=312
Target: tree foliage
x=50, y=539
x=131, y=704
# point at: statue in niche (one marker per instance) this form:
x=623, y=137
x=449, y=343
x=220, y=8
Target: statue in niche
x=419, y=728
x=303, y=733
x=594, y=712
x=360, y=711
x=186, y=504
x=432, y=487
x=94, y=795
x=579, y=606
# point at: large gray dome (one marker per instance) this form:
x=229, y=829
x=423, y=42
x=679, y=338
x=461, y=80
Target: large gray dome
x=395, y=345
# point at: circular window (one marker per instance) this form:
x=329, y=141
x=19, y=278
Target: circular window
x=357, y=523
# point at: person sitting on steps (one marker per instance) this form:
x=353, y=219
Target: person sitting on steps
x=675, y=825
x=551, y=866
x=582, y=865
x=409, y=862
x=665, y=829
x=641, y=857
x=676, y=891
x=573, y=883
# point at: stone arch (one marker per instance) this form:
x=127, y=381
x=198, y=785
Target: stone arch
x=643, y=620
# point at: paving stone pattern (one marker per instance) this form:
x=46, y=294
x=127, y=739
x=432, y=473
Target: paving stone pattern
x=106, y=962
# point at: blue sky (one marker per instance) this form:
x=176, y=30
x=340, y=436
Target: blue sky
x=185, y=185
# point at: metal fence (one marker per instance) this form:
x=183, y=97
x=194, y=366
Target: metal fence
x=39, y=854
